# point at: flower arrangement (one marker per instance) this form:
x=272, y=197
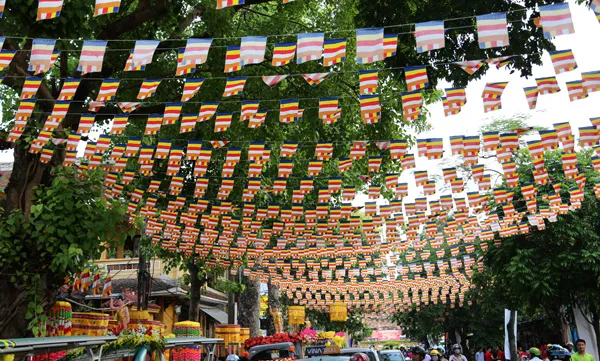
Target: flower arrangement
x=308, y=336
x=277, y=338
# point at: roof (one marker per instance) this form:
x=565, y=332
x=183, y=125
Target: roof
x=156, y=284
x=216, y=314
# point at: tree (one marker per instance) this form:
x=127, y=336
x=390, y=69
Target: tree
x=249, y=310
x=274, y=302
x=38, y=252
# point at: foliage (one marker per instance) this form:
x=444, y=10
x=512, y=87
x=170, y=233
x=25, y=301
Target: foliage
x=353, y=326
x=228, y=286
x=69, y=224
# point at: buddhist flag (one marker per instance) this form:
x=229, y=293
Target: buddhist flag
x=172, y=112
x=222, y=122
x=370, y=108
x=207, y=110
x=107, y=288
x=272, y=80
x=249, y=109
x=390, y=45
x=221, y=4
x=531, y=94
x=148, y=88
x=493, y=90
x=41, y=54
x=49, y=9
x=315, y=79
x=234, y=86
x=456, y=96
x=411, y=105
x=283, y=53
x=258, y=119
x=556, y=20
x=6, y=56
x=190, y=88
x=68, y=89
x=334, y=51
x=591, y=81
x=491, y=104
x=252, y=50
x=450, y=108
x=153, y=124
x=104, y=7
x=188, y=123
x=310, y=47
x=470, y=66
x=368, y=81
x=576, y=91
x=2, y=4
x=416, y=77
x=108, y=90
x=595, y=5
x=430, y=36
x=492, y=30
x=143, y=52
x=288, y=110
x=30, y=87
x=196, y=51
x=25, y=109
x=328, y=107
x=547, y=85
x=86, y=121
x=232, y=59
x=501, y=61
x=563, y=61
x=588, y=136
x=369, y=45
x=119, y=124
x=92, y=56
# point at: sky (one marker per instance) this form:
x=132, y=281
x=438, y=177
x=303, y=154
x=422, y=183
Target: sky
x=551, y=109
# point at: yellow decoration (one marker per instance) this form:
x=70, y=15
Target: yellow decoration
x=296, y=315
x=90, y=324
x=229, y=333
x=338, y=312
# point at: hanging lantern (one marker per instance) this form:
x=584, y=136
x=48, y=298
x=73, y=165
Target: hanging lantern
x=338, y=311
x=296, y=315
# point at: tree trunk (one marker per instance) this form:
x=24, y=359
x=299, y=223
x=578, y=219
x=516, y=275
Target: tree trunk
x=596, y=326
x=13, y=307
x=512, y=342
x=274, y=302
x=195, y=288
x=249, y=307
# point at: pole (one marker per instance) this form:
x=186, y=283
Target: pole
x=230, y=302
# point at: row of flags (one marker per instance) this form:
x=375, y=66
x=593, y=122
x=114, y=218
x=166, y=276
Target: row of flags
x=84, y=282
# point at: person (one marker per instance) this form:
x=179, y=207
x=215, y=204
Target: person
x=581, y=355
x=232, y=357
x=489, y=356
x=442, y=354
x=534, y=354
x=359, y=357
x=457, y=353
x=480, y=355
x=570, y=347
x=435, y=355
x=418, y=353
x=500, y=355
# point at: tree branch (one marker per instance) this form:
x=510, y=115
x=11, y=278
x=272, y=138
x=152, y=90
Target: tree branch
x=144, y=12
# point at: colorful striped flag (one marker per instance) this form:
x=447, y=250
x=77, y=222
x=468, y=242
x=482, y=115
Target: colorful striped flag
x=368, y=80
x=207, y=110
x=143, y=52
x=416, y=77
x=104, y=7
x=491, y=104
x=183, y=67
x=328, y=107
x=128, y=107
x=196, y=51
x=556, y=20
x=547, y=85
x=222, y=122
x=369, y=45
x=221, y=4
x=456, y=96
x=493, y=90
x=6, y=56
x=249, y=109
x=563, y=61
x=153, y=124
x=257, y=120
x=232, y=59
x=25, y=109
x=86, y=121
x=288, y=110
x=500, y=61
x=30, y=87
x=188, y=123
x=68, y=89
x=108, y=90
x=252, y=50
x=148, y=88
x=41, y=55
x=309, y=47
x=272, y=80
x=129, y=64
x=390, y=45
x=283, y=53
x=595, y=5
x=411, y=105
x=470, y=66
x=49, y=9
x=172, y=112
x=576, y=91
x=315, y=79
x=492, y=30
x=531, y=94
x=370, y=108
x=190, y=88
x=119, y=124
x=430, y=36
x=591, y=81
x=92, y=56
x=449, y=108
x=334, y=51
x=234, y=86
x=107, y=288
x=2, y=4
